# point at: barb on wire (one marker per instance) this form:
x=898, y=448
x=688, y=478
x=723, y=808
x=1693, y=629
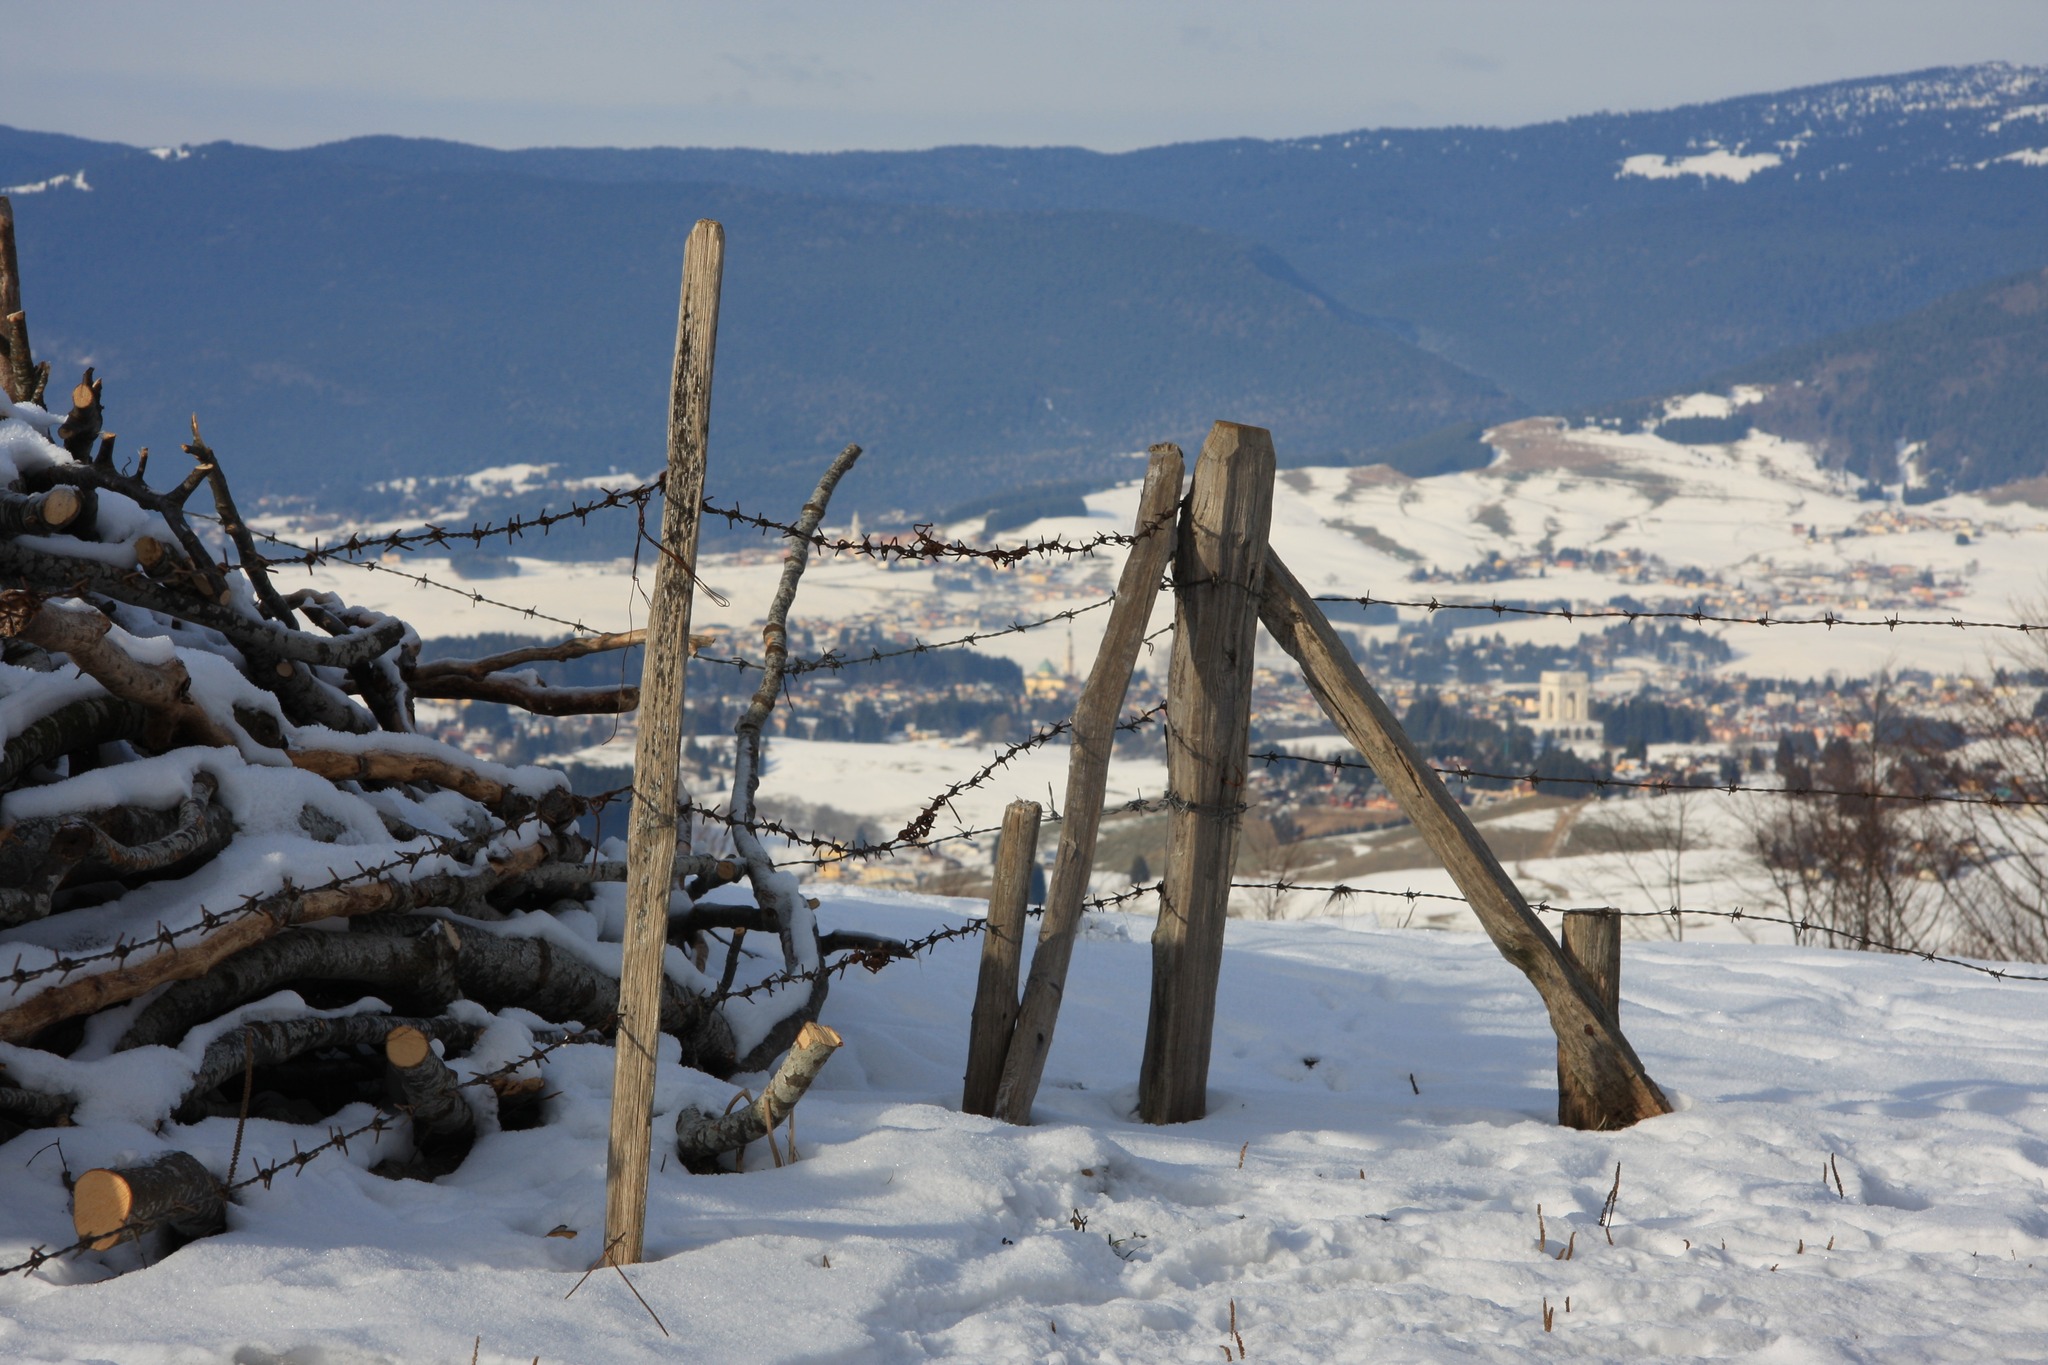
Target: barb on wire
x=1697, y=617
x=1665, y=784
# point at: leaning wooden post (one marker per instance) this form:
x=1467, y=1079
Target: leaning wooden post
x=1002, y=948
x=1094, y=734
x=651, y=847
x=1218, y=562
x=1592, y=1052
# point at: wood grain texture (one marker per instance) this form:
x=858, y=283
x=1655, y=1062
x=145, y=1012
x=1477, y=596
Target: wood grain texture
x=1591, y=1048
x=1219, y=560
x=1094, y=735
x=1592, y=939
x=1002, y=949
x=652, y=834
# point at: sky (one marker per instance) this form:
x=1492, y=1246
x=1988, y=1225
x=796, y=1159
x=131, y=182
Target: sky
x=811, y=75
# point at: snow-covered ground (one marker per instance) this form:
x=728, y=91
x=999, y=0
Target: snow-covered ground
x=1346, y=1215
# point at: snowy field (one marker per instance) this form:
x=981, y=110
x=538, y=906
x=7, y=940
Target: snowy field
x=1365, y=1188
x=1759, y=515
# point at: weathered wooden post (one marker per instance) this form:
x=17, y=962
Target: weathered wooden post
x=1095, y=717
x=1002, y=948
x=651, y=846
x=1592, y=939
x=1218, y=564
x=18, y=373
x=1595, y=1062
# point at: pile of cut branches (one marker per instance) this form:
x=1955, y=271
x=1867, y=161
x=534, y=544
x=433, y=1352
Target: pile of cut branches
x=222, y=838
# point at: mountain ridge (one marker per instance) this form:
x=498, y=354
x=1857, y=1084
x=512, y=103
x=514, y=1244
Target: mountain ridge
x=1553, y=266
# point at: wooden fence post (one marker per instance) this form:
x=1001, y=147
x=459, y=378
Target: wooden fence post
x=1095, y=717
x=651, y=836
x=1602, y=1067
x=1002, y=948
x=1218, y=563
x=19, y=376
x=1592, y=939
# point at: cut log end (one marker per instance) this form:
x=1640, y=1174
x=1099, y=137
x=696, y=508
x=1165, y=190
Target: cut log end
x=407, y=1047
x=815, y=1034
x=100, y=1204
x=60, y=507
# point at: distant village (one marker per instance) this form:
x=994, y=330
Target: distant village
x=1628, y=699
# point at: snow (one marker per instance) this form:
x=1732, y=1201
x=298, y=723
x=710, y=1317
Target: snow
x=1762, y=512
x=75, y=179
x=2024, y=111
x=1712, y=404
x=1365, y=1221
x=890, y=782
x=1719, y=163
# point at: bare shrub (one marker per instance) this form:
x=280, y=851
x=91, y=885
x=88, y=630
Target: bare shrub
x=1869, y=869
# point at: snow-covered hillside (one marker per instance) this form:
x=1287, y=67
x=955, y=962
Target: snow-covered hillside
x=1367, y=1186
x=1757, y=527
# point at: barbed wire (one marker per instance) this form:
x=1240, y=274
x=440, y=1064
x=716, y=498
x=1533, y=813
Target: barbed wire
x=921, y=824
x=1696, y=616
x=474, y=597
x=338, y=1140
x=916, y=834
x=833, y=660
x=1664, y=784
x=254, y=903
x=877, y=957
x=1342, y=890
x=923, y=545
x=436, y=537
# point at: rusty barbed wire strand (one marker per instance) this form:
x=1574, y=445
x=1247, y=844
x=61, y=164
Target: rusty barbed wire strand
x=474, y=597
x=253, y=903
x=922, y=545
x=337, y=1141
x=1663, y=784
x=831, y=659
x=917, y=833
x=1341, y=890
x=1696, y=616
x=431, y=536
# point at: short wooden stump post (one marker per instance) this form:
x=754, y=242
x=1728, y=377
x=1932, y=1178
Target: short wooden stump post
x=1591, y=938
